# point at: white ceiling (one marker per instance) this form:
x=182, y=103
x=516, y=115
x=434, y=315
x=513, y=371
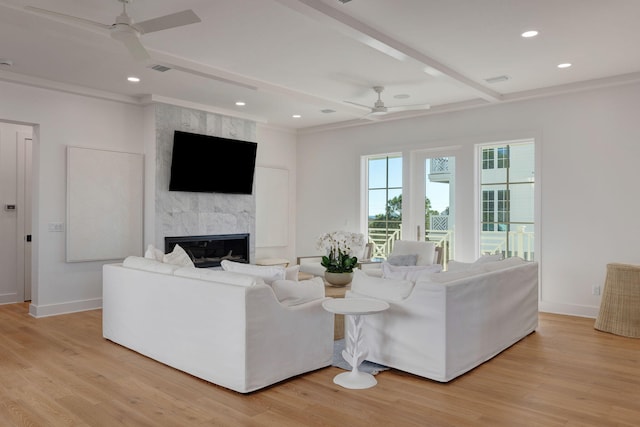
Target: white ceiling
x=285, y=57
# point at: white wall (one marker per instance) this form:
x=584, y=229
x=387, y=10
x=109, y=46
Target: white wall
x=587, y=144
x=277, y=149
x=63, y=119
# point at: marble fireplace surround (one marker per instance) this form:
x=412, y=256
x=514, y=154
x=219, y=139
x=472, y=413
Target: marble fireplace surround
x=180, y=213
x=209, y=251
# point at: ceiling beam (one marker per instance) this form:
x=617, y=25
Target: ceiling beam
x=361, y=32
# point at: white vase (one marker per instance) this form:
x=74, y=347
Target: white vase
x=338, y=279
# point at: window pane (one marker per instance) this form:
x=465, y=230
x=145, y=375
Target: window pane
x=508, y=201
x=378, y=173
x=395, y=172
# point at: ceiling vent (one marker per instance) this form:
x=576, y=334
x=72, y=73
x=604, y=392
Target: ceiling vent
x=327, y=111
x=160, y=68
x=497, y=79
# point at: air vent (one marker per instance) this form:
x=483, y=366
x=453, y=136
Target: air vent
x=160, y=68
x=328, y=111
x=497, y=79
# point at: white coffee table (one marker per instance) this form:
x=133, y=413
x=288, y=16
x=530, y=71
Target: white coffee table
x=353, y=353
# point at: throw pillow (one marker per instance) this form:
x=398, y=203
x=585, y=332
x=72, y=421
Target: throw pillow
x=403, y=259
x=489, y=258
x=268, y=273
x=376, y=287
x=178, y=256
x=146, y=264
x=291, y=273
x=291, y=292
x=426, y=251
x=154, y=253
x=454, y=265
x=410, y=272
x=220, y=276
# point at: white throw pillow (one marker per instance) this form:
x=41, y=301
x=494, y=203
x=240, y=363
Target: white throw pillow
x=179, y=257
x=426, y=251
x=291, y=292
x=221, y=276
x=489, y=258
x=453, y=266
x=500, y=265
x=268, y=273
x=146, y=264
x=154, y=253
x=403, y=259
x=376, y=287
x=410, y=272
x=291, y=273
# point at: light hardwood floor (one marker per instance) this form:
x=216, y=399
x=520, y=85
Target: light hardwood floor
x=59, y=371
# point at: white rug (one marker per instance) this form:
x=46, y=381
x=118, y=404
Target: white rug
x=366, y=366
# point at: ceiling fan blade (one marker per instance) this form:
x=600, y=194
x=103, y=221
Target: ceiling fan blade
x=173, y=20
x=137, y=50
x=68, y=17
x=409, y=107
x=359, y=105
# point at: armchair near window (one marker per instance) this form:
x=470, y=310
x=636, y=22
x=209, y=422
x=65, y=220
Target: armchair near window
x=425, y=253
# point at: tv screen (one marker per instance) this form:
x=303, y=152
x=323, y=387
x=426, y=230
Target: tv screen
x=211, y=164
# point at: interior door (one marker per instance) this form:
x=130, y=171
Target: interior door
x=24, y=150
x=432, y=199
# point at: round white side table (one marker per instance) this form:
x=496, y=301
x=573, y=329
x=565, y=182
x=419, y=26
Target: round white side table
x=353, y=353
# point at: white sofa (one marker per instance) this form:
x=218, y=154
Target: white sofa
x=445, y=324
x=225, y=327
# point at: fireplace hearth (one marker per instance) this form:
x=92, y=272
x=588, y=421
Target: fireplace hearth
x=209, y=251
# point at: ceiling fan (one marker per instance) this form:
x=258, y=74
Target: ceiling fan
x=128, y=32
x=379, y=109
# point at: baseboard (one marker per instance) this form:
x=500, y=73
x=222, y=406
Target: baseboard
x=8, y=298
x=64, y=308
x=569, y=309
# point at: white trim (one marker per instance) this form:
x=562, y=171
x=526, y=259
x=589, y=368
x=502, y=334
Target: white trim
x=9, y=298
x=64, y=308
x=568, y=309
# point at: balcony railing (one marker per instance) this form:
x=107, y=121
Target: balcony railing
x=513, y=243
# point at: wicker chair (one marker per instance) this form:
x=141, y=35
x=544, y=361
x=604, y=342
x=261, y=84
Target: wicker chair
x=620, y=306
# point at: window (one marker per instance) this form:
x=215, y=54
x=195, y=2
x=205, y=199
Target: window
x=507, y=199
x=495, y=157
x=384, y=202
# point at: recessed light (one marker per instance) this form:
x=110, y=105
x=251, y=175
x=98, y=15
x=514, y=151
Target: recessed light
x=530, y=33
x=296, y=116
x=241, y=103
x=564, y=65
x=133, y=79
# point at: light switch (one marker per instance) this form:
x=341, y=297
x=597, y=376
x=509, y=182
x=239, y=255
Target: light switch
x=56, y=227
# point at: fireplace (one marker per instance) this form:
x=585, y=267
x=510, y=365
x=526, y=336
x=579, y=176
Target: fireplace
x=208, y=251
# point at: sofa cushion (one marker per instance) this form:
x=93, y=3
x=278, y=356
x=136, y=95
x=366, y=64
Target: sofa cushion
x=403, y=260
x=425, y=251
x=291, y=292
x=386, y=289
x=146, y=264
x=228, y=277
x=411, y=272
x=268, y=273
x=178, y=257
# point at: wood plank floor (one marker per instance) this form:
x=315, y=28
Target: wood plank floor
x=59, y=371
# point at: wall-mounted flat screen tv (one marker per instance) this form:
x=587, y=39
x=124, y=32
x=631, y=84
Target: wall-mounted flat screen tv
x=211, y=164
